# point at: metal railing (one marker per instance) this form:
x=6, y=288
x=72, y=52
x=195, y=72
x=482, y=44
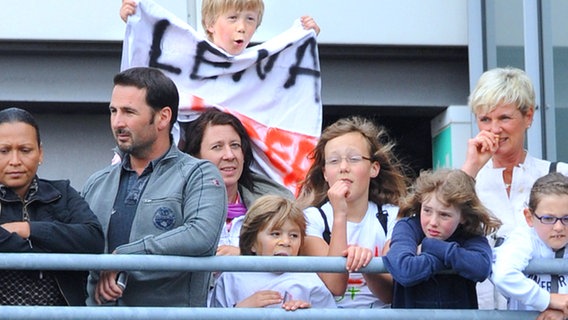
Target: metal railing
x=25, y=261
x=147, y=313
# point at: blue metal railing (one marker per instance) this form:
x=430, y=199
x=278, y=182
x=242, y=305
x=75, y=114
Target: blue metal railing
x=146, y=313
x=57, y=261
x=25, y=261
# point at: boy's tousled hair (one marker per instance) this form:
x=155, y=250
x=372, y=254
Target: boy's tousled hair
x=212, y=9
x=269, y=211
x=554, y=183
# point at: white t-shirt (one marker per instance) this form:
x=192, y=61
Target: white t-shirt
x=369, y=234
x=233, y=287
x=526, y=292
x=491, y=190
x=493, y=194
x=231, y=237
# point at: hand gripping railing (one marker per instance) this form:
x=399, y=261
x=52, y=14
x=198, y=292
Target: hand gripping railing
x=28, y=261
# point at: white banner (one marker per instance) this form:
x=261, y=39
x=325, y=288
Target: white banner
x=273, y=87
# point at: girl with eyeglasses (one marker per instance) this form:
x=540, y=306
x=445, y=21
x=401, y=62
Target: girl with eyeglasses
x=351, y=195
x=544, y=236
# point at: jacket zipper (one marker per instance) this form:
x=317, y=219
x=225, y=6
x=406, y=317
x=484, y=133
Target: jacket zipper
x=26, y=218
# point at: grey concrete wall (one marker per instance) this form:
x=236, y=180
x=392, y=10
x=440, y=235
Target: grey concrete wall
x=74, y=145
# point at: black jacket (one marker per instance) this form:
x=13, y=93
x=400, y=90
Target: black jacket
x=60, y=222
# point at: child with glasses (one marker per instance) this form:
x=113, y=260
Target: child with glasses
x=351, y=192
x=545, y=236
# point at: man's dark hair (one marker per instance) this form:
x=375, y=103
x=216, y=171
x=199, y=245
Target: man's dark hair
x=161, y=91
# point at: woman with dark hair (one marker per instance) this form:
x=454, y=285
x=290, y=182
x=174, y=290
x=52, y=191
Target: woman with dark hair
x=221, y=138
x=39, y=216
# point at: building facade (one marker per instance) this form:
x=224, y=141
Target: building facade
x=408, y=64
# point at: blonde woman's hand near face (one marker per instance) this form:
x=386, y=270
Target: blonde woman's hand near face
x=479, y=150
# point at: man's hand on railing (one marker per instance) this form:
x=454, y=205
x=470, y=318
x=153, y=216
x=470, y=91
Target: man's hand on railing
x=107, y=290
